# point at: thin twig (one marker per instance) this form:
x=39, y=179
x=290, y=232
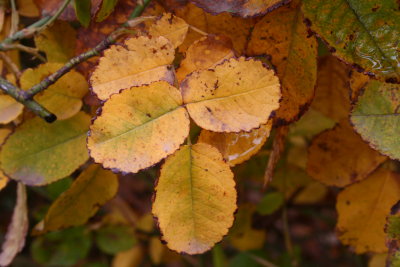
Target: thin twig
x=287, y=236
x=30, y=50
x=14, y=18
x=197, y=30
x=20, y=95
x=55, y=16
x=11, y=65
x=277, y=149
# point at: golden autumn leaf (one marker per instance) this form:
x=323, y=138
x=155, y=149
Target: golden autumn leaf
x=237, y=95
x=38, y=153
x=363, y=208
x=237, y=147
x=282, y=35
x=64, y=97
x=236, y=28
x=195, y=199
x=134, y=130
x=4, y=133
x=141, y=60
x=339, y=157
x=58, y=42
x=27, y=8
x=332, y=91
x=10, y=109
x=92, y=189
x=205, y=53
x=171, y=27
x=358, y=81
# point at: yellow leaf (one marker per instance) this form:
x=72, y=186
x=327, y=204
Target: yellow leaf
x=237, y=29
x=92, y=189
x=358, y=81
x=363, y=208
x=139, y=127
x=140, y=61
x=378, y=260
x=156, y=250
x=339, y=157
x=10, y=109
x=237, y=147
x=58, y=41
x=313, y=193
x=171, y=27
x=332, y=90
x=38, y=153
x=28, y=8
x=4, y=133
x=63, y=98
x=195, y=199
x=237, y=95
x=283, y=35
x=129, y=258
x=242, y=235
x=205, y=53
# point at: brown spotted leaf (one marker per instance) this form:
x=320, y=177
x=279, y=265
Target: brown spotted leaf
x=282, y=35
x=138, y=127
x=237, y=95
x=141, y=60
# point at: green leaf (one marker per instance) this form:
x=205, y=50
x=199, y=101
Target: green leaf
x=363, y=33
x=63, y=248
x=376, y=117
x=107, y=7
x=82, y=11
x=112, y=239
x=38, y=153
x=270, y=203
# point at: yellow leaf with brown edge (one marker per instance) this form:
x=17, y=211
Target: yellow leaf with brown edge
x=362, y=209
x=358, y=81
x=205, y=53
x=64, y=97
x=58, y=41
x=332, y=91
x=4, y=133
x=236, y=28
x=10, y=109
x=195, y=199
x=283, y=35
x=92, y=189
x=339, y=157
x=243, y=8
x=138, y=127
x=171, y=27
x=242, y=236
x=237, y=95
x=141, y=60
x=236, y=148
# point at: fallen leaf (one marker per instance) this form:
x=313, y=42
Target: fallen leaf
x=171, y=27
x=141, y=60
x=27, y=8
x=139, y=127
x=4, y=133
x=392, y=230
x=38, y=153
x=17, y=230
x=129, y=258
x=91, y=190
x=10, y=109
x=282, y=35
x=205, y=53
x=312, y=193
x=363, y=208
x=364, y=34
x=375, y=117
x=237, y=95
x=195, y=199
x=339, y=157
x=64, y=97
x=236, y=148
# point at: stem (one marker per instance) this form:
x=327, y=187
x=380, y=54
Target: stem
x=138, y=10
x=56, y=15
x=10, y=64
x=20, y=95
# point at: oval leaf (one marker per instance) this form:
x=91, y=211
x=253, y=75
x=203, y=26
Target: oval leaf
x=91, y=190
x=139, y=127
x=282, y=35
x=363, y=33
x=195, y=199
x=237, y=95
x=38, y=153
x=139, y=61
x=376, y=117
x=237, y=147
